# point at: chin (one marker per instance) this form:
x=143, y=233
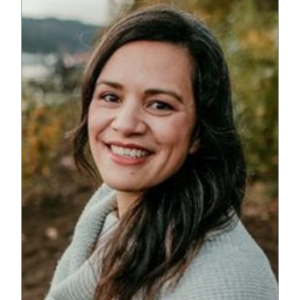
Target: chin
x=123, y=186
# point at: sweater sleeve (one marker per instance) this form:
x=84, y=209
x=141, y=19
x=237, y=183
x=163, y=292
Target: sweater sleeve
x=229, y=267
x=227, y=279
x=233, y=278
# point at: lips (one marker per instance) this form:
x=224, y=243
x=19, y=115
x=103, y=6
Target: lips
x=128, y=154
x=129, y=146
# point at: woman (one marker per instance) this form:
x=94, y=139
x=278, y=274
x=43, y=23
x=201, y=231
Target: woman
x=157, y=115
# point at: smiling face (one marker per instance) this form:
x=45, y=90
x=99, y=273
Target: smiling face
x=142, y=115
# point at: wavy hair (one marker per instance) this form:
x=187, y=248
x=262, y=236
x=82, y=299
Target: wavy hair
x=157, y=238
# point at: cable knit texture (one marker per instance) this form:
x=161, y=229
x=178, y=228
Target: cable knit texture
x=229, y=266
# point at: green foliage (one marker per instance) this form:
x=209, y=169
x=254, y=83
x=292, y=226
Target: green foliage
x=44, y=127
x=41, y=128
x=69, y=78
x=252, y=52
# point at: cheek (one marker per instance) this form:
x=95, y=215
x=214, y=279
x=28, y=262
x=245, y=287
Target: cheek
x=175, y=132
x=93, y=122
x=91, y=116
x=97, y=121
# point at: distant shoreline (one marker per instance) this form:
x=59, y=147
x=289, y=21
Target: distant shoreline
x=37, y=66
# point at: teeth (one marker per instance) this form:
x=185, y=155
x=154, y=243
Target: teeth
x=128, y=152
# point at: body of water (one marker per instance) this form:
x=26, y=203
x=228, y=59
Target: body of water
x=36, y=66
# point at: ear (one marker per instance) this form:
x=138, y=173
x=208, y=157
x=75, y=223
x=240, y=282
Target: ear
x=194, y=146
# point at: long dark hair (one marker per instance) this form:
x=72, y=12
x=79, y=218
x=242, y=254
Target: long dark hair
x=158, y=237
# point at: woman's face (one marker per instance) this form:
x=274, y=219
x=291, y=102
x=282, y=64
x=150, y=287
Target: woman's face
x=142, y=115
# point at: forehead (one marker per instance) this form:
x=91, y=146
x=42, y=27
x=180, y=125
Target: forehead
x=155, y=47
x=151, y=59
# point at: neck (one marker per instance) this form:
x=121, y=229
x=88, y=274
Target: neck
x=125, y=200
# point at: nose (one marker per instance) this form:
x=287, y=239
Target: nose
x=129, y=120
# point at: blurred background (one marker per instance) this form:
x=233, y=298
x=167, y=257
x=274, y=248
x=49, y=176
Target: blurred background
x=57, y=38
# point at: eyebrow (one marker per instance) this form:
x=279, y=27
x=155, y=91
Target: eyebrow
x=150, y=92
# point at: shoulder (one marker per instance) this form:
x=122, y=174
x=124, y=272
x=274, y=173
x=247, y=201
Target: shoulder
x=229, y=266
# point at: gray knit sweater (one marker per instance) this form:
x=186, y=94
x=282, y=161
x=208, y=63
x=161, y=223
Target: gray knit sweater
x=229, y=266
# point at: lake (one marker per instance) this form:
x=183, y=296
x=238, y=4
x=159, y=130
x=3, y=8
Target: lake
x=37, y=66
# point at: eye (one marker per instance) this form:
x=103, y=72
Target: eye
x=109, y=97
x=160, y=105
x=160, y=108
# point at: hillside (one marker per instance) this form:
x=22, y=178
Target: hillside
x=55, y=36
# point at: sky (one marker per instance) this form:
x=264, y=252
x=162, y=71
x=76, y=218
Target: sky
x=94, y=12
